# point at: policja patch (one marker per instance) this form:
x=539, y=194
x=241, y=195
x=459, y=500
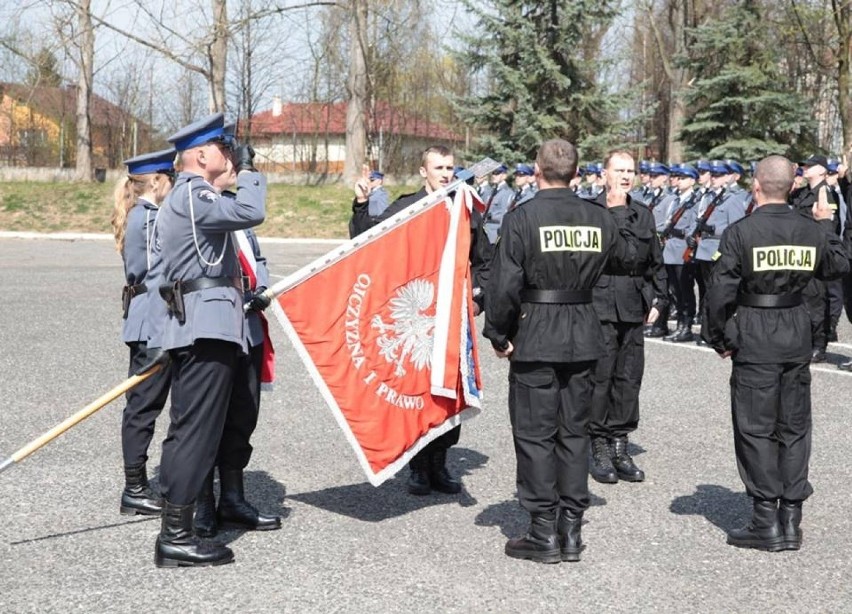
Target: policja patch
x=570, y=238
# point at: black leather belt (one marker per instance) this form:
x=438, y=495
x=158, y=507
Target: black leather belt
x=136, y=290
x=205, y=283
x=678, y=233
x=556, y=296
x=769, y=300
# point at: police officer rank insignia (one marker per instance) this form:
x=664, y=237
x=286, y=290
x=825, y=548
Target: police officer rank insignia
x=784, y=258
x=570, y=238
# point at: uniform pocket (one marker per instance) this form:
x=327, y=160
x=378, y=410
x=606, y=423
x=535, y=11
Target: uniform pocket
x=533, y=399
x=755, y=394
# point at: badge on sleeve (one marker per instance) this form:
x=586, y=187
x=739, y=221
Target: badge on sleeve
x=207, y=196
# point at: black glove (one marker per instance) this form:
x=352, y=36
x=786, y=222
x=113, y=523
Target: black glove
x=259, y=301
x=691, y=242
x=244, y=158
x=153, y=356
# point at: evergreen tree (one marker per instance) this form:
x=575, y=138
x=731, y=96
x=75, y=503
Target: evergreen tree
x=44, y=70
x=539, y=58
x=738, y=105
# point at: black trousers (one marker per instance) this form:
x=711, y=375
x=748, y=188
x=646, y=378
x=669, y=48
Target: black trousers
x=682, y=283
x=616, y=381
x=815, y=298
x=202, y=379
x=144, y=404
x=243, y=409
x=847, y=295
x=442, y=443
x=771, y=410
x=549, y=412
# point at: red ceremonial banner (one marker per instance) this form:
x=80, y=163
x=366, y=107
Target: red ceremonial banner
x=386, y=331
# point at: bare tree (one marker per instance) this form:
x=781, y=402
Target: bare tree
x=204, y=50
x=358, y=92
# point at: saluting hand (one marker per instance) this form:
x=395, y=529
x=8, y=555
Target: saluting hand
x=821, y=210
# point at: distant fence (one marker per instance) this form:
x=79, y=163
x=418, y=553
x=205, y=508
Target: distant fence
x=62, y=175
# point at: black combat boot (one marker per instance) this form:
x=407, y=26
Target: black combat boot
x=418, y=479
x=657, y=329
x=790, y=517
x=623, y=463
x=234, y=511
x=570, y=542
x=763, y=532
x=683, y=333
x=204, y=524
x=439, y=478
x=540, y=544
x=178, y=547
x=601, y=468
x=674, y=333
x=138, y=497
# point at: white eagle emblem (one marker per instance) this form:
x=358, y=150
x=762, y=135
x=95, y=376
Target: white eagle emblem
x=409, y=335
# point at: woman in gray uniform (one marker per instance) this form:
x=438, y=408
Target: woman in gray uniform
x=137, y=199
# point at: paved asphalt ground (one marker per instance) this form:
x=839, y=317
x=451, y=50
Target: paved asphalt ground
x=345, y=546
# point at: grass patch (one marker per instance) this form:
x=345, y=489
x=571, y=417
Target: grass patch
x=320, y=212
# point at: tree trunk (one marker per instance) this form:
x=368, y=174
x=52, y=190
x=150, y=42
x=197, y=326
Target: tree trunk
x=356, y=130
x=218, y=53
x=843, y=17
x=84, y=91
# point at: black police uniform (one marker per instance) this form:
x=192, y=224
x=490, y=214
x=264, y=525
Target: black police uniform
x=622, y=298
x=428, y=467
x=755, y=310
x=550, y=255
x=816, y=294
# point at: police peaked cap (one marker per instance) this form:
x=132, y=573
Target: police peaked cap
x=703, y=166
x=816, y=161
x=686, y=170
x=735, y=167
x=524, y=169
x=658, y=168
x=718, y=167
x=644, y=167
x=210, y=128
x=379, y=175
x=156, y=162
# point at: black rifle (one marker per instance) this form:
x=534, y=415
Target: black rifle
x=689, y=252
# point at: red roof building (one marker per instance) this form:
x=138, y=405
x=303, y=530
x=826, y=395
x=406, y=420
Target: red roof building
x=311, y=137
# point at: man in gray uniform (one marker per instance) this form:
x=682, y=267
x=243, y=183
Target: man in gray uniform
x=204, y=331
x=501, y=201
x=704, y=237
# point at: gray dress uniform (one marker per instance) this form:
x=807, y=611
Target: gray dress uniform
x=145, y=401
x=378, y=201
x=501, y=202
x=207, y=336
x=660, y=203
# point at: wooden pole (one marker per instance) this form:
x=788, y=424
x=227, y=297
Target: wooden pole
x=81, y=415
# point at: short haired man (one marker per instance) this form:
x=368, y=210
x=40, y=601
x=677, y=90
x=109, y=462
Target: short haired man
x=756, y=316
x=540, y=315
x=428, y=467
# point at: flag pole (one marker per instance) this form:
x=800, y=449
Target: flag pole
x=78, y=417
